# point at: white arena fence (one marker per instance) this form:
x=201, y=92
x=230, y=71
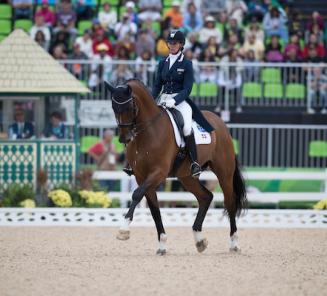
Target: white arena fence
x=267, y=145
x=261, y=197
x=225, y=86
x=171, y=218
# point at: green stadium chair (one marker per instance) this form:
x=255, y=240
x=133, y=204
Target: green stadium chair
x=295, y=91
x=236, y=145
x=83, y=25
x=111, y=2
x=252, y=90
x=164, y=10
x=156, y=27
x=5, y=11
x=271, y=75
x=5, y=27
x=167, y=3
x=273, y=91
x=318, y=149
x=208, y=89
x=220, y=27
x=118, y=146
x=25, y=25
x=87, y=142
x=194, y=92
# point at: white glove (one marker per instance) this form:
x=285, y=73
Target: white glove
x=170, y=103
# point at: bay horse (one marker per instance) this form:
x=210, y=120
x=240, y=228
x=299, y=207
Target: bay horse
x=151, y=150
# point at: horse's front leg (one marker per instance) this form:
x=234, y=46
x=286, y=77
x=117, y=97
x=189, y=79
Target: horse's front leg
x=150, y=183
x=152, y=200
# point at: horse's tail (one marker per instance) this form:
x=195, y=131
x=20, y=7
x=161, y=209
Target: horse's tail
x=239, y=190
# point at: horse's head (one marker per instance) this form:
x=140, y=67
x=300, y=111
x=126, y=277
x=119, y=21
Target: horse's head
x=125, y=109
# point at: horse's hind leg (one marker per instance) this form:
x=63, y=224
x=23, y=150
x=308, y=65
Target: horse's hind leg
x=152, y=200
x=226, y=182
x=204, y=198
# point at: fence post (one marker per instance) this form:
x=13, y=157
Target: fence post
x=270, y=143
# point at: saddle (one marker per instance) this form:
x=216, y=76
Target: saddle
x=182, y=153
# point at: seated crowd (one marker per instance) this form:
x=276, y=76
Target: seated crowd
x=250, y=31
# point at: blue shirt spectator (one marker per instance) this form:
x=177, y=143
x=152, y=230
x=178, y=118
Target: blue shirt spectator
x=56, y=128
x=193, y=20
x=21, y=129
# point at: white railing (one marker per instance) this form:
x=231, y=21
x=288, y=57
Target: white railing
x=263, y=197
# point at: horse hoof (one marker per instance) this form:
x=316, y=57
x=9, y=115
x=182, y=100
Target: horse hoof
x=235, y=249
x=201, y=245
x=123, y=235
x=161, y=252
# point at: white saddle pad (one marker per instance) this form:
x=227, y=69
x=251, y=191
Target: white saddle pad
x=200, y=134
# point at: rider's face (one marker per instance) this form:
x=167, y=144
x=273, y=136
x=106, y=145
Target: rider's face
x=174, y=47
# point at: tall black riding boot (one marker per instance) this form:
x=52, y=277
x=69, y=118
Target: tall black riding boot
x=128, y=170
x=191, y=147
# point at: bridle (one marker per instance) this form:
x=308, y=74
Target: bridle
x=134, y=128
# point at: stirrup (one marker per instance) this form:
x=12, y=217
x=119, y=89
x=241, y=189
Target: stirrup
x=128, y=171
x=195, y=170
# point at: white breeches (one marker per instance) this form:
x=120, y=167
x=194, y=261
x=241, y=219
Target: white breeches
x=186, y=111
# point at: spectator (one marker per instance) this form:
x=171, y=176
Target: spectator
x=193, y=44
x=317, y=81
x=126, y=26
x=254, y=29
x=78, y=70
x=292, y=74
x=230, y=78
x=145, y=67
x=313, y=55
x=125, y=48
x=59, y=52
x=314, y=30
x=48, y=15
x=150, y=9
x=274, y=24
x=214, y=48
x=85, y=43
x=293, y=45
x=147, y=25
x=107, y=18
x=256, y=10
x=316, y=19
x=236, y=9
x=121, y=74
x=251, y=71
x=101, y=38
x=209, y=30
x=40, y=40
x=105, y=156
x=195, y=62
x=39, y=25
x=175, y=15
x=252, y=44
x=60, y=39
x=313, y=42
x=130, y=10
x=56, y=129
x=66, y=19
x=232, y=28
x=85, y=9
x=296, y=25
x=22, y=9
x=21, y=129
x=101, y=66
x=193, y=21
x=208, y=73
x=231, y=44
x=273, y=51
x=185, y=5
x=162, y=49
x=145, y=42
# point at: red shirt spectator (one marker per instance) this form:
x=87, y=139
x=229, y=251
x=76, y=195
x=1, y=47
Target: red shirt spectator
x=48, y=15
x=100, y=37
x=319, y=47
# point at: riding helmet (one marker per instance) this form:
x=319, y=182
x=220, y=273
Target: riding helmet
x=176, y=35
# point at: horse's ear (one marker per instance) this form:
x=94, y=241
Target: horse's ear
x=109, y=86
x=129, y=89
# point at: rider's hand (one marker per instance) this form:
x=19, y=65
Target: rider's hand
x=170, y=103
